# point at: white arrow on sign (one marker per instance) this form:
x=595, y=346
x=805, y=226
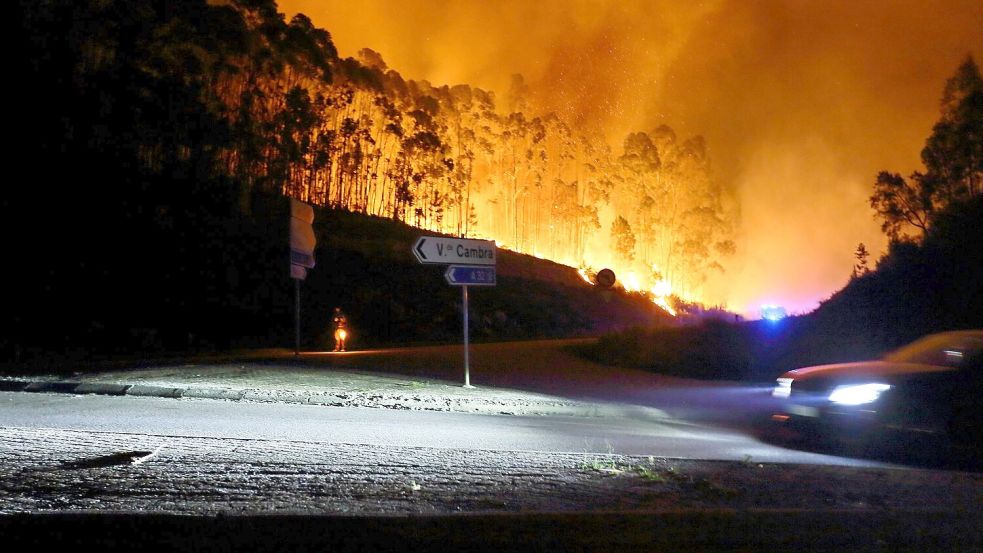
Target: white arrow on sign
x=436, y=249
x=469, y=275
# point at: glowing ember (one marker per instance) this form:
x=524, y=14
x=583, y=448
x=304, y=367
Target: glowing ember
x=663, y=302
x=631, y=282
x=662, y=288
x=661, y=293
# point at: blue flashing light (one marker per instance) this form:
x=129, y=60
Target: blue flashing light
x=773, y=313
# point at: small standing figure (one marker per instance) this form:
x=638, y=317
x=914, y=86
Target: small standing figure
x=340, y=329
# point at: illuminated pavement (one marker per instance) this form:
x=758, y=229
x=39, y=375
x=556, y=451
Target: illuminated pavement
x=392, y=433
x=530, y=396
x=537, y=377
x=630, y=432
x=85, y=454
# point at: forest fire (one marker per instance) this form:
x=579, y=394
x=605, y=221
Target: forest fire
x=660, y=292
x=619, y=149
x=552, y=164
x=715, y=156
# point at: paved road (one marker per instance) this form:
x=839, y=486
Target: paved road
x=635, y=431
x=84, y=459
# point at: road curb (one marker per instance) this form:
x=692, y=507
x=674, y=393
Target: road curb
x=143, y=390
x=276, y=396
x=13, y=385
x=102, y=389
x=214, y=393
x=258, y=395
x=56, y=387
x=327, y=401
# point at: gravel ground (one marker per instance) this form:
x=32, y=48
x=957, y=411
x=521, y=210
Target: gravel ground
x=337, y=388
x=527, y=378
x=50, y=471
x=412, y=379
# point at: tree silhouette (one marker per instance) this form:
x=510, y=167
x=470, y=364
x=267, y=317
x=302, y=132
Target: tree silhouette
x=953, y=159
x=624, y=239
x=953, y=153
x=901, y=203
x=861, y=267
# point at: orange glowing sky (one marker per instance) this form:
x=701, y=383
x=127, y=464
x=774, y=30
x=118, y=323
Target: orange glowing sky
x=802, y=102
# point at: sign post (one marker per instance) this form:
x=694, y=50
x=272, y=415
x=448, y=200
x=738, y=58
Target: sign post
x=467, y=364
x=471, y=263
x=302, y=242
x=463, y=276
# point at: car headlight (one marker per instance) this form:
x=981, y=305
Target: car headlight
x=857, y=394
x=783, y=388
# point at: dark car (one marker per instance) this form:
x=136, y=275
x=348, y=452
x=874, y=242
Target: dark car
x=927, y=392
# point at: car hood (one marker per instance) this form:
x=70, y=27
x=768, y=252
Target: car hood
x=864, y=369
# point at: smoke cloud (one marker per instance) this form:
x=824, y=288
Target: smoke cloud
x=802, y=103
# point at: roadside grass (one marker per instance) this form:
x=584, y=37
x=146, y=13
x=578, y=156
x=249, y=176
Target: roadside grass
x=613, y=464
x=651, y=475
x=608, y=463
x=616, y=465
x=609, y=466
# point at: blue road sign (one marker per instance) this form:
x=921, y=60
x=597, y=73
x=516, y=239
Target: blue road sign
x=467, y=275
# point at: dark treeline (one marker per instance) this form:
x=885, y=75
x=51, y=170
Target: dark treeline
x=233, y=92
x=125, y=230
x=153, y=142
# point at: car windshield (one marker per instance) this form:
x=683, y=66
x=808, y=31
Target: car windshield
x=949, y=350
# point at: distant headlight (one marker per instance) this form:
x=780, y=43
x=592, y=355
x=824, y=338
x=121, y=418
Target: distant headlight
x=857, y=394
x=783, y=388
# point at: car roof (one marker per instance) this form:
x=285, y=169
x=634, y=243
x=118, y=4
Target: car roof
x=924, y=355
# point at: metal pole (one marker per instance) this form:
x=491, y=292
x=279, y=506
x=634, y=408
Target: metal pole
x=467, y=368
x=296, y=317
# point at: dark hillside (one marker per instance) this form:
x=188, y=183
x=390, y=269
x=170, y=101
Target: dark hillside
x=364, y=265
x=158, y=143
x=916, y=289
x=185, y=277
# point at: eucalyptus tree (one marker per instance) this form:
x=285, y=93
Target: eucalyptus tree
x=953, y=159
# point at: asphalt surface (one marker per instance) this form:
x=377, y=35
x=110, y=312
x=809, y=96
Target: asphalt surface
x=547, y=452
x=555, y=400
x=624, y=431
x=537, y=377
